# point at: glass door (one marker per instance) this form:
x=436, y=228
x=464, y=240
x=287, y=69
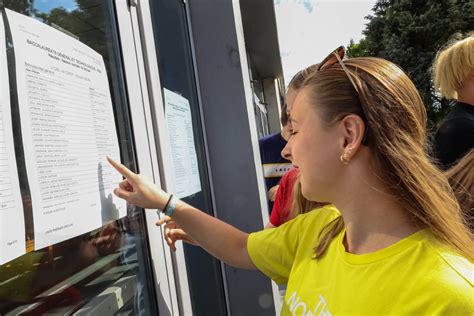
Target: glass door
x=102, y=272
x=178, y=82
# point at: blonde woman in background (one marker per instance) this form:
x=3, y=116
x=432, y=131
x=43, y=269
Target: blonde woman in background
x=453, y=73
x=396, y=244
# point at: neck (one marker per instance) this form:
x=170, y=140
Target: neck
x=373, y=219
x=466, y=93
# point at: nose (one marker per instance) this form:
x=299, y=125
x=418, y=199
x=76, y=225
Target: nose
x=286, y=152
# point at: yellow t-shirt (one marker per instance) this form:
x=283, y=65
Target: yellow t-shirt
x=415, y=276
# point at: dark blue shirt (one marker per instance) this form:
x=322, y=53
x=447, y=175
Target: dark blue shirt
x=455, y=137
x=274, y=165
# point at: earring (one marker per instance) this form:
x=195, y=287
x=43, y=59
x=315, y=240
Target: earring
x=343, y=159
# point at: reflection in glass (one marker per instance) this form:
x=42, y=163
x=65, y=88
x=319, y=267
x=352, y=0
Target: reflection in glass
x=88, y=270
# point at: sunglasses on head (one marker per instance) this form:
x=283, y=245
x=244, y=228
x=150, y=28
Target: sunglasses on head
x=335, y=56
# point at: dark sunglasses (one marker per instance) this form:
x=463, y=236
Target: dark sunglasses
x=335, y=56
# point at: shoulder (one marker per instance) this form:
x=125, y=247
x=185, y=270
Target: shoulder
x=453, y=266
x=456, y=125
x=454, y=284
x=446, y=272
x=275, y=249
x=444, y=277
x=460, y=121
x=311, y=223
x=453, y=139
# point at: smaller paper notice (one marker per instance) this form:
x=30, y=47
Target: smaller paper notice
x=180, y=130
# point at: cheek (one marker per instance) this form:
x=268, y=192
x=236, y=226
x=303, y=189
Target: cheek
x=306, y=148
x=299, y=148
x=319, y=167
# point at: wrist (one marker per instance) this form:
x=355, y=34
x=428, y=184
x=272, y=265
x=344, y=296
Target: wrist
x=168, y=204
x=160, y=200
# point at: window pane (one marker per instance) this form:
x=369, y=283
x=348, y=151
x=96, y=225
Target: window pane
x=177, y=74
x=109, y=268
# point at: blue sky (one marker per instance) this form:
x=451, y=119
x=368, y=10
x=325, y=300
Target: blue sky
x=307, y=4
x=309, y=29
x=47, y=5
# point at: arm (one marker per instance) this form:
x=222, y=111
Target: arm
x=272, y=192
x=275, y=215
x=221, y=240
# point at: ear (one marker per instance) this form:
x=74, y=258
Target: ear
x=353, y=130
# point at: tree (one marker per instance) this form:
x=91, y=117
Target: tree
x=410, y=33
x=21, y=6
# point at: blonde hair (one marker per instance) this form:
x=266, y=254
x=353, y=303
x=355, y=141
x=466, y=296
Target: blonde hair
x=461, y=178
x=299, y=204
x=297, y=81
x=453, y=65
x=392, y=108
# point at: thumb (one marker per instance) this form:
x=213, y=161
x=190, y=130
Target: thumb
x=164, y=220
x=123, y=194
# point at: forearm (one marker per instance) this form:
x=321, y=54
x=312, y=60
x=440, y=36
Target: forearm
x=220, y=239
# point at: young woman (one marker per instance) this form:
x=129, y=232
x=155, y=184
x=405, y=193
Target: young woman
x=453, y=76
x=397, y=245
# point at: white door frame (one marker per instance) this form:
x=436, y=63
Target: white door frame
x=140, y=100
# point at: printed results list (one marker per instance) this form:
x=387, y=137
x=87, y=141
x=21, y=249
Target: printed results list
x=71, y=131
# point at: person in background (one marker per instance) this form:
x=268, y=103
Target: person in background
x=274, y=165
x=359, y=142
x=453, y=73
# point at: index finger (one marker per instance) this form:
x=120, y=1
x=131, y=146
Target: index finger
x=124, y=171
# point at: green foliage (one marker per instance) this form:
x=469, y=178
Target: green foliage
x=22, y=6
x=85, y=22
x=410, y=33
x=357, y=49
